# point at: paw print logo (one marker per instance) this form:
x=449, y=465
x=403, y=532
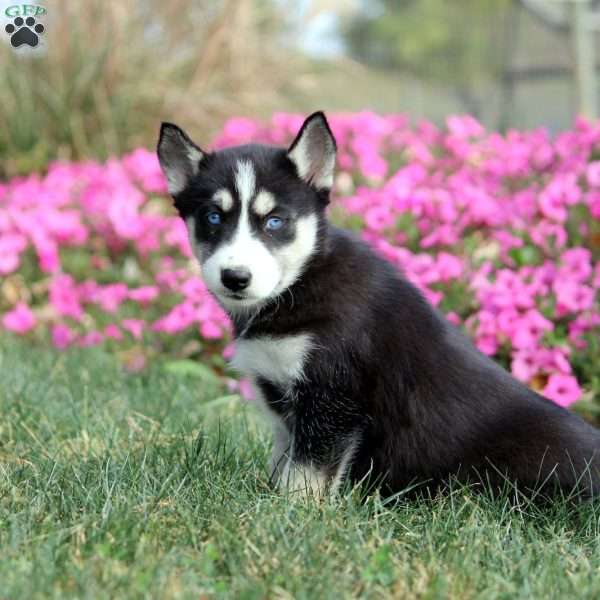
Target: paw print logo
x=24, y=32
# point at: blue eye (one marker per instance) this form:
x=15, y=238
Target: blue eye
x=214, y=218
x=274, y=223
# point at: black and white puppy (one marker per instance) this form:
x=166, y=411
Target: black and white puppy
x=361, y=376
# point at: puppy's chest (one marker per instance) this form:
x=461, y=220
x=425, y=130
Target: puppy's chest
x=275, y=364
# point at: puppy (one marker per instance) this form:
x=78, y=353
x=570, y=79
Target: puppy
x=361, y=377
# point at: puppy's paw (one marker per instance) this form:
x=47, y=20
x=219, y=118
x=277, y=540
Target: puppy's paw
x=301, y=481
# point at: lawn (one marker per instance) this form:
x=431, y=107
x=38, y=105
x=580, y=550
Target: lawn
x=154, y=485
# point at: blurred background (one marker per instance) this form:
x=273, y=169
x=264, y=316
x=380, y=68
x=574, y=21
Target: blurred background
x=110, y=70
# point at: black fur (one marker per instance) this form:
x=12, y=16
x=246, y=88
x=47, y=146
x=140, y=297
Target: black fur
x=388, y=370
x=426, y=402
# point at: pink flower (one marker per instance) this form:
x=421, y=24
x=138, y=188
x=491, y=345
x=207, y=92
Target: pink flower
x=93, y=338
x=11, y=247
x=529, y=329
x=553, y=207
x=593, y=201
x=562, y=389
x=577, y=264
x=572, y=297
x=110, y=297
x=593, y=174
x=62, y=336
x=487, y=344
x=144, y=294
x=453, y=317
x=64, y=297
x=526, y=364
x=20, y=319
x=210, y=330
x=246, y=389
x=113, y=332
x=134, y=326
x=378, y=218
x=229, y=351
x=464, y=126
x=179, y=318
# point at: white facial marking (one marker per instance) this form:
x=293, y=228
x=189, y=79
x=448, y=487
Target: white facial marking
x=243, y=251
x=264, y=203
x=272, y=270
x=223, y=199
x=277, y=359
x=293, y=257
x=245, y=181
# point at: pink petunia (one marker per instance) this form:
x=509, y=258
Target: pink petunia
x=92, y=338
x=246, y=389
x=144, y=294
x=64, y=297
x=113, y=332
x=210, y=330
x=562, y=389
x=62, y=336
x=134, y=326
x=593, y=174
x=20, y=319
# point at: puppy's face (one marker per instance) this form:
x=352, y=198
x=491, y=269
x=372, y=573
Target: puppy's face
x=253, y=212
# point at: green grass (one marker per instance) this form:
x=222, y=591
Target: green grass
x=154, y=486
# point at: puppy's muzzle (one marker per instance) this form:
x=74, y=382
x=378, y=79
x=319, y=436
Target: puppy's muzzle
x=236, y=280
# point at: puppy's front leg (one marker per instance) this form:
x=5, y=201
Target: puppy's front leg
x=282, y=447
x=304, y=479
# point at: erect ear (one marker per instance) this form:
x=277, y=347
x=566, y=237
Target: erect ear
x=179, y=157
x=313, y=152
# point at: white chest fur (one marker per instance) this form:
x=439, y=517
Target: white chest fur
x=279, y=360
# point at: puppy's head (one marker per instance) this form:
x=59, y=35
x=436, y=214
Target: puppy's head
x=253, y=212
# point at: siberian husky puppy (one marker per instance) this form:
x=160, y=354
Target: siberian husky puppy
x=361, y=376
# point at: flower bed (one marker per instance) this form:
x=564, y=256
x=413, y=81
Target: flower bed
x=502, y=232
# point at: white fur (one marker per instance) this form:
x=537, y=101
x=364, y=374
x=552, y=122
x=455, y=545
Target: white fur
x=293, y=258
x=264, y=203
x=282, y=444
x=223, y=199
x=177, y=178
x=245, y=182
x=272, y=272
x=345, y=464
x=243, y=251
x=303, y=480
x=195, y=157
x=278, y=359
x=319, y=168
x=176, y=181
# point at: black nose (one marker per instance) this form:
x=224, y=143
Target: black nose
x=235, y=279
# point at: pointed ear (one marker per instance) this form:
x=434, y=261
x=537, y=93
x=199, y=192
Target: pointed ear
x=178, y=156
x=313, y=152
